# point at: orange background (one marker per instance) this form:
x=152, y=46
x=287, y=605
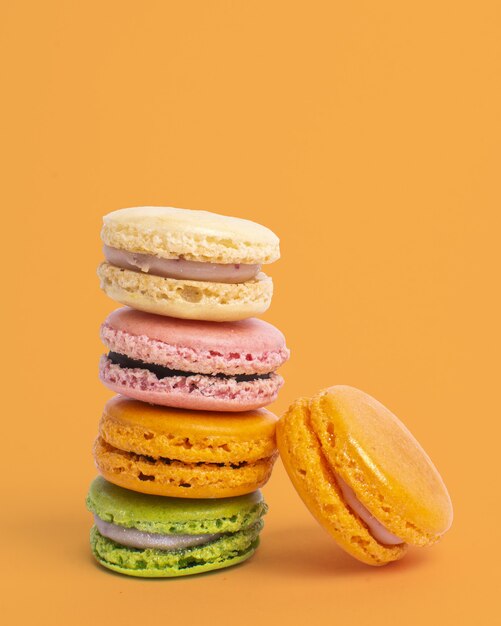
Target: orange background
x=365, y=134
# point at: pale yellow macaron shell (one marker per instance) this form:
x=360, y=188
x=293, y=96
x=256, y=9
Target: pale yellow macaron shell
x=187, y=299
x=311, y=475
x=170, y=232
x=382, y=462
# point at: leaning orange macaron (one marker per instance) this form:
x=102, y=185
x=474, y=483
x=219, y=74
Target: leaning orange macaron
x=185, y=454
x=363, y=475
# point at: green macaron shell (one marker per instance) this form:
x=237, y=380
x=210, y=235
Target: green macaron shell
x=159, y=514
x=152, y=563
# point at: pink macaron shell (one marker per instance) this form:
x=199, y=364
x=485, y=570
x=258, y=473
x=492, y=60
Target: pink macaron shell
x=197, y=392
x=250, y=346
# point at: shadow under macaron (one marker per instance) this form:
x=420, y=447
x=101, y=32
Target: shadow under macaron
x=309, y=551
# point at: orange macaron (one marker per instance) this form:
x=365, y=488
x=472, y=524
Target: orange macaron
x=363, y=475
x=185, y=454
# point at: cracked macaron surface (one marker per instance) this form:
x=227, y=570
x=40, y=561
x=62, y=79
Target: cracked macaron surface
x=186, y=454
x=198, y=535
x=220, y=366
x=363, y=475
x=187, y=264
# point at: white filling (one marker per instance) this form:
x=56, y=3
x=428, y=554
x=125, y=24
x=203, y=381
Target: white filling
x=377, y=530
x=181, y=268
x=138, y=539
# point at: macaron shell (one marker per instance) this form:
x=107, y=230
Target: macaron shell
x=187, y=299
x=157, y=514
x=179, y=479
x=188, y=436
x=315, y=483
x=225, y=552
x=250, y=346
x=195, y=392
x=383, y=463
x=194, y=235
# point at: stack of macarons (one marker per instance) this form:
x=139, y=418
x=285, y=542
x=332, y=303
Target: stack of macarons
x=186, y=445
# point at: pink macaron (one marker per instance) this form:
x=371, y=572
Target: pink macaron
x=214, y=366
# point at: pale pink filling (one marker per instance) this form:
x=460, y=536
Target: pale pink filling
x=181, y=268
x=121, y=379
x=141, y=347
x=139, y=539
x=376, y=529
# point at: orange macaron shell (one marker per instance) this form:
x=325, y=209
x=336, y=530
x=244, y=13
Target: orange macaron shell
x=181, y=453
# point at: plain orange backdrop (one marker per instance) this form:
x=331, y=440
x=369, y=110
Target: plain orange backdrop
x=367, y=135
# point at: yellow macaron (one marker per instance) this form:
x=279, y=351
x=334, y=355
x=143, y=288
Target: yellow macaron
x=184, y=454
x=187, y=264
x=363, y=475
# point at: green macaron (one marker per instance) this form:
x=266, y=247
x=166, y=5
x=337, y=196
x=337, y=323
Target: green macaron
x=156, y=536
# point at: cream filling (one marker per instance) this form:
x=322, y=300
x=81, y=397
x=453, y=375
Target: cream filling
x=181, y=268
x=376, y=529
x=139, y=539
